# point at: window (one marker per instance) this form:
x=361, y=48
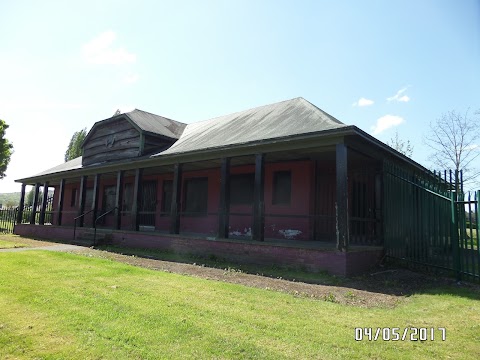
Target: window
x=127, y=197
x=196, y=195
x=88, y=199
x=73, y=199
x=167, y=196
x=241, y=189
x=109, y=195
x=282, y=187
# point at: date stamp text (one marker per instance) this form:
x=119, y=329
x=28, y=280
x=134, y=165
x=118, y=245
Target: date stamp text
x=400, y=334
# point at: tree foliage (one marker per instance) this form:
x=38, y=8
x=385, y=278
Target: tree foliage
x=455, y=141
x=74, y=149
x=6, y=149
x=406, y=148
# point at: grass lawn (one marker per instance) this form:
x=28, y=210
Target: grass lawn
x=5, y=244
x=67, y=306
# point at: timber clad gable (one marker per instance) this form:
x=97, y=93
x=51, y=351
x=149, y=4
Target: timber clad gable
x=129, y=136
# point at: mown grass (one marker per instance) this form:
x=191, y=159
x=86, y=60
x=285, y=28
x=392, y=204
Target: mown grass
x=59, y=305
x=10, y=244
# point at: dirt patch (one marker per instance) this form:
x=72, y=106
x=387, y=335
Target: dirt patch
x=383, y=288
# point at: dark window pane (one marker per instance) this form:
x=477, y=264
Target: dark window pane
x=109, y=194
x=196, y=195
x=282, y=187
x=73, y=199
x=241, y=189
x=167, y=196
x=88, y=199
x=148, y=198
x=127, y=197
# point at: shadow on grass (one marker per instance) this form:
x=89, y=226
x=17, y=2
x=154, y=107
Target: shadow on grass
x=392, y=278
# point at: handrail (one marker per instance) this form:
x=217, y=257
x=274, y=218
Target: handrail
x=75, y=221
x=95, y=224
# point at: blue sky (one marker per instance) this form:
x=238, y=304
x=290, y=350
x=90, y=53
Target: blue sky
x=383, y=66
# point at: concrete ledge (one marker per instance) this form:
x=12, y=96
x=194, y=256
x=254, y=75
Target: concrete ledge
x=240, y=251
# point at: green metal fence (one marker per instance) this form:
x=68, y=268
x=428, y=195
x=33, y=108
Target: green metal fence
x=7, y=220
x=429, y=221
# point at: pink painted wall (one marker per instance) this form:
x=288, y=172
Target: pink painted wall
x=276, y=227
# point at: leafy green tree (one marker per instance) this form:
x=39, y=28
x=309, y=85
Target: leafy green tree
x=31, y=195
x=6, y=149
x=74, y=149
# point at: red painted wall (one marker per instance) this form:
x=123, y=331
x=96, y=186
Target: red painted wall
x=278, y=225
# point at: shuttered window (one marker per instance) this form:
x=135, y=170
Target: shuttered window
x=196, y=196
x=282, y=187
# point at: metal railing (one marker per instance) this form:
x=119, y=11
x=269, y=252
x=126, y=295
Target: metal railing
x=75, y=221
x=96, y=221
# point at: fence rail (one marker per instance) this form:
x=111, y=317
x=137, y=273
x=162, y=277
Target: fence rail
x=7, y=220
x=429, y=221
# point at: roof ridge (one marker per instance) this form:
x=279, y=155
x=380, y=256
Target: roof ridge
x=147, y=112
x=245, y=110
x=323, y=111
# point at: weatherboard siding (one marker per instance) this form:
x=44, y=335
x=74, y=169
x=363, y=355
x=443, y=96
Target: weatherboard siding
x=112, y=141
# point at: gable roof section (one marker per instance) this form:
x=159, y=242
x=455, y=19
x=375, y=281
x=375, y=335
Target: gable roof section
x=287, y=118
x=156, y=124
x=147, y=123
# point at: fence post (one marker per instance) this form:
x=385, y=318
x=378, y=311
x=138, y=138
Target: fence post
x=454, y=235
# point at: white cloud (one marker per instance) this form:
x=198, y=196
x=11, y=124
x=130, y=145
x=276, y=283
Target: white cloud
x=363, y=102
x=100, y=51
x=386, y=122
x=399, y=97
x=130, y=79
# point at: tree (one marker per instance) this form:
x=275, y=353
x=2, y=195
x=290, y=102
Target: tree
x=6, y=149
x=406, y=148
x=455, y=141
x=74, y=149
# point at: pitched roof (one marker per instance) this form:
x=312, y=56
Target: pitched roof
x=287, y=118
x=146, y=122
x=69, y=165
x=156, y=124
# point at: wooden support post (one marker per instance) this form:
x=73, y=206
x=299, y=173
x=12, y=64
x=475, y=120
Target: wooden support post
x=258, y=199
x=61, y=194
x=224, y=207
x=96, y=190
x=119, y=200
x=34, y=204
x=176, y=195
x=341, y=206
x=314, y=201
x=136, y=197
x=44, y=204
x=21, y=205
x=83, y=196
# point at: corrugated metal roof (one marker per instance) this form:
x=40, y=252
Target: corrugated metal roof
x=156, y=124
x=69, y=165
x=287, y=118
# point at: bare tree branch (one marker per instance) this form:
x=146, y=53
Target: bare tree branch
x=455, y=142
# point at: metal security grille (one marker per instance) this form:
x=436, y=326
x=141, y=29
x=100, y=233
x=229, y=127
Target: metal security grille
x=148, y=203
x=429, y=221
x=7, y=220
